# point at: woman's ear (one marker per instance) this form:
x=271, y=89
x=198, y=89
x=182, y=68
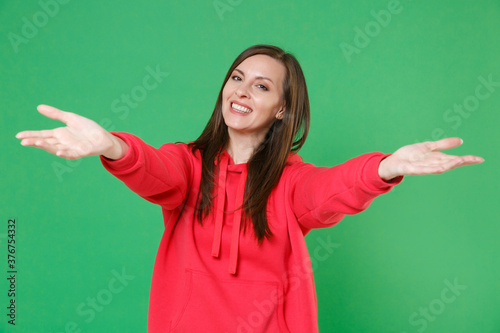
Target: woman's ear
x=280, y=113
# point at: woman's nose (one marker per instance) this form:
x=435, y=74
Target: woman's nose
x=241, y=91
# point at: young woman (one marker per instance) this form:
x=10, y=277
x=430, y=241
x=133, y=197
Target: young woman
x=238, y=201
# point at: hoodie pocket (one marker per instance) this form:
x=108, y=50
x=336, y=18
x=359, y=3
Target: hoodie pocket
x=229, y=305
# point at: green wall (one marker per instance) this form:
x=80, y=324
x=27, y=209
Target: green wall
x=423, y=258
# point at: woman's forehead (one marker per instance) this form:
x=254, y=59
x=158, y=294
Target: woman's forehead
x=261, y=65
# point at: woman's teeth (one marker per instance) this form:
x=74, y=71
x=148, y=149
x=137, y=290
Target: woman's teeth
x=240, y=108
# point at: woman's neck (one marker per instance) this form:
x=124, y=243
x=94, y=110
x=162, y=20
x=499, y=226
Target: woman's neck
x=241, y=147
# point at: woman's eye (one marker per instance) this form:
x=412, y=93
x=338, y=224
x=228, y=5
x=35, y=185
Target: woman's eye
x=263, y=87
x=236, y=77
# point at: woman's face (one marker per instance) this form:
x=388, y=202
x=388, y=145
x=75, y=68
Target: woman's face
x=252, y=96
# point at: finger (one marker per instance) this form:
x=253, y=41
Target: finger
x=53, y=113
x=437, y=161
x=446, y=165
x=431, y=169
x=458, y=162
x=471, y=159
x=35, y=134
x=29, y=141
x=41, y=143
x=58, y=150
x=453, y=161
x=33, y=142
x=68, y=154
x=443, y=144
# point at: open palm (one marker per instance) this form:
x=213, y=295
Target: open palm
x=425, y=158
x=80, y=137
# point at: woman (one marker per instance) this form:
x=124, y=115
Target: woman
x=238, y=201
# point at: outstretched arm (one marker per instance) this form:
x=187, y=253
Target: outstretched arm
x=161, y=176
x=79, y=138
x=424, y=158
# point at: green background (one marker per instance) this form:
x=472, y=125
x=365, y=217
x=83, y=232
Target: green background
x=76, y=223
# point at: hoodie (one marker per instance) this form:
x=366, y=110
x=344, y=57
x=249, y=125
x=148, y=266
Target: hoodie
x=214, y=277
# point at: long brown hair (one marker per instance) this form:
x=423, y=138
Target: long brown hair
x=268, y=160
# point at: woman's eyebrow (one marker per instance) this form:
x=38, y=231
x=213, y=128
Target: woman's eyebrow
x=258, y=77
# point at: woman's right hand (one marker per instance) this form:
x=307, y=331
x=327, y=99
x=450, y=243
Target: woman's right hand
x=79, y=138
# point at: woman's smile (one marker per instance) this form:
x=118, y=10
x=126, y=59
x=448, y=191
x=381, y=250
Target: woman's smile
x=241, y=109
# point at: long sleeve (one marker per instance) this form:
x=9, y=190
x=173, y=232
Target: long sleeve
x=161, y=176
x=322, y=196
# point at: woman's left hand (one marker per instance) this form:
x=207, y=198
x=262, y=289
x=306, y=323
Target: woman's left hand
x=424, y=158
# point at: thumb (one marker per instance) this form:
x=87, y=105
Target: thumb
x=446, y=143
x=53, y=113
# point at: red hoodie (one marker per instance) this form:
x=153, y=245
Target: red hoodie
x=215, y=277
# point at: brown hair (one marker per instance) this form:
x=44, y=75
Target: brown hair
x=268, y=160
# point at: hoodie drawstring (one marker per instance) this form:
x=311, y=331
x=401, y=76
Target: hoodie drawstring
x=219, y=213
x=235, y=237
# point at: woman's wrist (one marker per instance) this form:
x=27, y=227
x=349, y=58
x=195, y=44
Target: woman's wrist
x=384, y=170
x=117, y=150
